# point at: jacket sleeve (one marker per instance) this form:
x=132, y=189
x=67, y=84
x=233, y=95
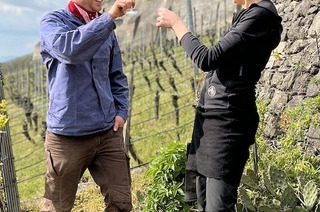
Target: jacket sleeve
x=70, y=44
x=240, y=39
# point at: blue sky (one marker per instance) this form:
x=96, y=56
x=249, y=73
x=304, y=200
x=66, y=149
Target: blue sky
x=19, y=25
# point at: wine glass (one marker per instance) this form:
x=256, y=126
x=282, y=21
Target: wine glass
x=131, y=11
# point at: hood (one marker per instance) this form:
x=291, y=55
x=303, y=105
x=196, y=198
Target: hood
x=268, y=5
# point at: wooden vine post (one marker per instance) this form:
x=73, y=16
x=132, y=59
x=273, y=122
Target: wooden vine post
x=12, y=200
x=127, y=138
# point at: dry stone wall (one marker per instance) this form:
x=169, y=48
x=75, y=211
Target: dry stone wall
x=292, y=74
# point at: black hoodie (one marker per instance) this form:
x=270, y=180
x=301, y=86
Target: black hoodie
x=227, y=120
x=236, y=61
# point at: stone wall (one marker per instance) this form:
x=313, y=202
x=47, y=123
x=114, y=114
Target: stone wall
x=292, y=74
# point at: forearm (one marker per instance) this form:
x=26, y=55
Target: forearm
x=180, y=29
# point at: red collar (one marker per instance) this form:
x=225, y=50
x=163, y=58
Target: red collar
x=74, y=10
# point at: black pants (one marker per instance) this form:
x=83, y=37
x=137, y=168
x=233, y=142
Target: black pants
x=215, y=195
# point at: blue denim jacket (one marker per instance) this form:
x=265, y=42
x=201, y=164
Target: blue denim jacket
x=86, y=84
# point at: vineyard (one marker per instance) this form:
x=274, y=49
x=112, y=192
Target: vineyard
x=163, y=91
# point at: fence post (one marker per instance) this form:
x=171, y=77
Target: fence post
x=128, y=122
x=127, y=138
x=191, y=28
x=176, y=111
x=157, y=105
x=12, y=200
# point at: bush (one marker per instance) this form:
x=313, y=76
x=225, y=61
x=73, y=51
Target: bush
x=167, y=170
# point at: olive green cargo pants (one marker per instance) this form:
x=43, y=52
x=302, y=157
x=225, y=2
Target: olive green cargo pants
x=102, y=154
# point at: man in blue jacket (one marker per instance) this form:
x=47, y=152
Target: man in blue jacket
x=88, y=104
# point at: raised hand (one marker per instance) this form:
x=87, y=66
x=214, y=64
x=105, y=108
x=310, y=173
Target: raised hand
x=166, y=18
x=119, y=8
